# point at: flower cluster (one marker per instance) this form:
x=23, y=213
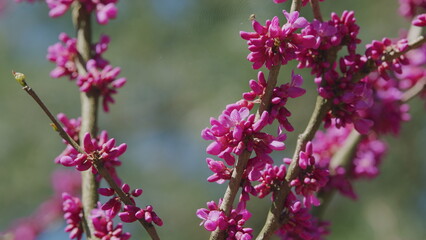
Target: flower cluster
x=104, y=80
x=280, y=96
x=365, y=163
x=73, y=214
x=130, y=213
x=310, y=179
x=388, y=112
x=105, y=9
x=104, y=226
x=274, y=45
x=214, y=218
x=102, y=149
x=100, y=75
x=63, y=55
x=376, y=51
x=272, y=175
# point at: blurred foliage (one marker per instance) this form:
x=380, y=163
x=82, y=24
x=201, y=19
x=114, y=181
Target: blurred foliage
x=185, y=61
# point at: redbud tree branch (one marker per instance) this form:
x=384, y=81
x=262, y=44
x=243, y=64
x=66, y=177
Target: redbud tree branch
x=346, y=154
x=276, y=216
x=97, y=163
x=89, y=110
x=237, y=173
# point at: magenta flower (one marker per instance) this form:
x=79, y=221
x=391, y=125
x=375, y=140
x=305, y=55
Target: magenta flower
x=368, y=157
x=103, y=149
x=376, y=50
x=105, y=9
x=279, y=97
x=274, y=45
x=311, y=178
x=236, y=220
x=73, y=215
x=104, y=226
x=132, y=213
x=63, y=54
x=388, y=112
x=105, y=12
x=302, y=225
x=212, y=217
x=104, y=80
x=72, y=128
x=420, y=20
x=221, y=172
x=114, y=203
x=271, y=176
x=58, y=7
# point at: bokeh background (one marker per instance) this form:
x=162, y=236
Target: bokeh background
x=184, y=61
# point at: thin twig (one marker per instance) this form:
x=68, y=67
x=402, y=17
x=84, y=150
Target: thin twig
x=97, y=163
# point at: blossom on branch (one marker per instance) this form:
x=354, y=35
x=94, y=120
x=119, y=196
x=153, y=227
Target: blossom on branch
x=274, y=45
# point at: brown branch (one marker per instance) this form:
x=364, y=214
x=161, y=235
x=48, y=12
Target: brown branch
x=89, y=110
x=97, y=163
x=296, y=5
x=316, y=10
x=237, y=174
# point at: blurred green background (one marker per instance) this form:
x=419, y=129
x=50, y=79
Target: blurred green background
x=184, y=61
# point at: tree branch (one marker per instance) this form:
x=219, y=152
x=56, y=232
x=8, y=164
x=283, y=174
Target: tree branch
x=97, y=163
x=316, y=10
x=89, y=109
x=237, y=174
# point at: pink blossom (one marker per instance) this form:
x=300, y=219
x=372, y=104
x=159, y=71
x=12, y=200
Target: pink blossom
x=388, y=112
x=104, y=226
x=114, y=203
x=368, y=157
x=105, y=9
x=132, y=213
x=302, y=225
x=104, y=80
x=280, y=96
x=212, y=217
x=102, y=149
x=221, y=172
x=63, y=54
x=73, y=215
x=376, y=52
x=72, y=128
x=311, y=177
x=274, y=45
x=58, y=7
x=271, y=176
x=420, y=20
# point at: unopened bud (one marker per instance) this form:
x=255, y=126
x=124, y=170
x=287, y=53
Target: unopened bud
x=20, y=77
